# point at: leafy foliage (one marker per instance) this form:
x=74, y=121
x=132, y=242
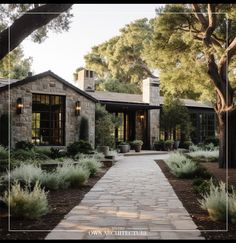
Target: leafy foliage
x=84, y=129
x=91, y=164
x=26, y=145
x=79, y=147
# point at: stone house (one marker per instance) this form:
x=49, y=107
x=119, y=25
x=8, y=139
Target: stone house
x=46, y=110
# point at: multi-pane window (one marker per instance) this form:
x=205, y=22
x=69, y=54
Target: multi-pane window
x=207, y=125
x=48, y=119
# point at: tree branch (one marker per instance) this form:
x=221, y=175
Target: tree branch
x=197, y=12
x=27, y=24
x=212, y=24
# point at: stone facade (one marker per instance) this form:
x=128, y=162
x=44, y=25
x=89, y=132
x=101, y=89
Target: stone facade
x=85, y=80
x=151, y=95
x=21, y=124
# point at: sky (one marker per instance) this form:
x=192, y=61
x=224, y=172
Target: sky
x=91, y=25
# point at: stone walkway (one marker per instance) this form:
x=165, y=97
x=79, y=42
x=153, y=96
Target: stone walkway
x=133, y=200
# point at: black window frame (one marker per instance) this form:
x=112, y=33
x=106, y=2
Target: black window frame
x=50, y=100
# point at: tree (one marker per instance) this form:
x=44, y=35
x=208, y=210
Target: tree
x=190, y=42
x=14, y=65
x=18, y=26
x=175, y=116
x=120, y=57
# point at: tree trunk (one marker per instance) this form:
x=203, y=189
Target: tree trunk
x=227, y=135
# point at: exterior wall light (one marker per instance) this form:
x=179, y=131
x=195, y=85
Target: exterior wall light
x=77, y=108
x=142, y=117
x=19, y=106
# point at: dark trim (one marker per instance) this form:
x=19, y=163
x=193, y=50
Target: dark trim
x=44, y=74
x=129, y=104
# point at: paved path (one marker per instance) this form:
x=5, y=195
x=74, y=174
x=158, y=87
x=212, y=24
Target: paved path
x=133, y=200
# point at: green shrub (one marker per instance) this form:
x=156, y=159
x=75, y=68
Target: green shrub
x=57, y=153
x=79, y=147
x=43, y=151
x=26, y=145
x=3, y=159
x=159, y=145
x=26, y=173
x=53, y=181
x=90, y=164
x=74, y=175
x=21, y=154
x=25, y=203
x=212, y=140
x=182, y=167
x=4, y=134
x=137, y=143
x=168, y=144
x=187, y=144
x=202, y=186
x=215, y=202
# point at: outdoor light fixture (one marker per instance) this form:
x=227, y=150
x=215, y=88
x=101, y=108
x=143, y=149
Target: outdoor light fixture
x=77, y=108
x=19, y=106
x=142, y=117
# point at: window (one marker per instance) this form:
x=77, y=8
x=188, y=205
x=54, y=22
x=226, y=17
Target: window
x=91, y=74
x=48, y=119
x=86, y=73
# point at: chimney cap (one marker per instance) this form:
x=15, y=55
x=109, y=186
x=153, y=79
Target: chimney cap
x=30, y=74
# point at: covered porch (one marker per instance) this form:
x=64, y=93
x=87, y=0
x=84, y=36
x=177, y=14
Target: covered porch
x=135, y=121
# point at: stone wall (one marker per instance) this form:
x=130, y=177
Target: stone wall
x=21, y=124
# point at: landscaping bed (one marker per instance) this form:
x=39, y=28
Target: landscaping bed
x=60, y=203
x=184, y=190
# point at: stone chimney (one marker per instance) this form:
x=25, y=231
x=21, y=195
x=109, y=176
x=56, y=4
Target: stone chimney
x=86, y=80
x=151, y=95
x=151, y=91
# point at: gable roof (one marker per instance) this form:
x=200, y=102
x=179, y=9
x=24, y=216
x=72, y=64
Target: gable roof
x=4, y=83
x=106, y=96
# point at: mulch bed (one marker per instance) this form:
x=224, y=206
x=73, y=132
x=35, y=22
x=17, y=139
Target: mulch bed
x=60, y=202
x=183, y=189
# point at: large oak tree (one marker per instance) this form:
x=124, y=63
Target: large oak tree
x=196, y=45
x=18, y=21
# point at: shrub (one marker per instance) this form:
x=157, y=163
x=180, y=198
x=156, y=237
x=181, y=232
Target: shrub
x=182, y=167
x=137, y=143
x=3, y=159
x=168, y=144
x=212, y=140
x=84, y=129
x=24, y=145
x=25, y=203
x=43, y=151
x=53, y=181
x=193, y=148
x=79, y=147
x=23, y=155
x=159, y=145
x=203, y=155
x=57, y=153
x=202, y=186
x=91, y=164
x=215, y=202
x=74, y=175
x=26, y=173
x=187, y=144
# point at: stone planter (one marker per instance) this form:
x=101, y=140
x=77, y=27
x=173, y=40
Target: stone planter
x=103, y=149
x=137, y=148
x=124, y=148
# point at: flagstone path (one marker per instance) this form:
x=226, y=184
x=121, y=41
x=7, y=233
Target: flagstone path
x=133, y=200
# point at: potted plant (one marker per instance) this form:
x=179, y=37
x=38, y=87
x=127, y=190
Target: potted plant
x=176, y=144
x=124, y=147
x=169, y=145
x=103, y=132
x=137, y=145
x=159, y=145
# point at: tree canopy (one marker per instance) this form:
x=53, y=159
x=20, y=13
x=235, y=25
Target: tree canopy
x=19, y=21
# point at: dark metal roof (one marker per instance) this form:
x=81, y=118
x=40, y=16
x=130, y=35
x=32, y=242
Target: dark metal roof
x=14, y=83
x=105, y=96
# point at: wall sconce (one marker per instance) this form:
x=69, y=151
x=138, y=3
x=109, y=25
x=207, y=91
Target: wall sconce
x=141, y=117
x=19, y=106
x=77, y=108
